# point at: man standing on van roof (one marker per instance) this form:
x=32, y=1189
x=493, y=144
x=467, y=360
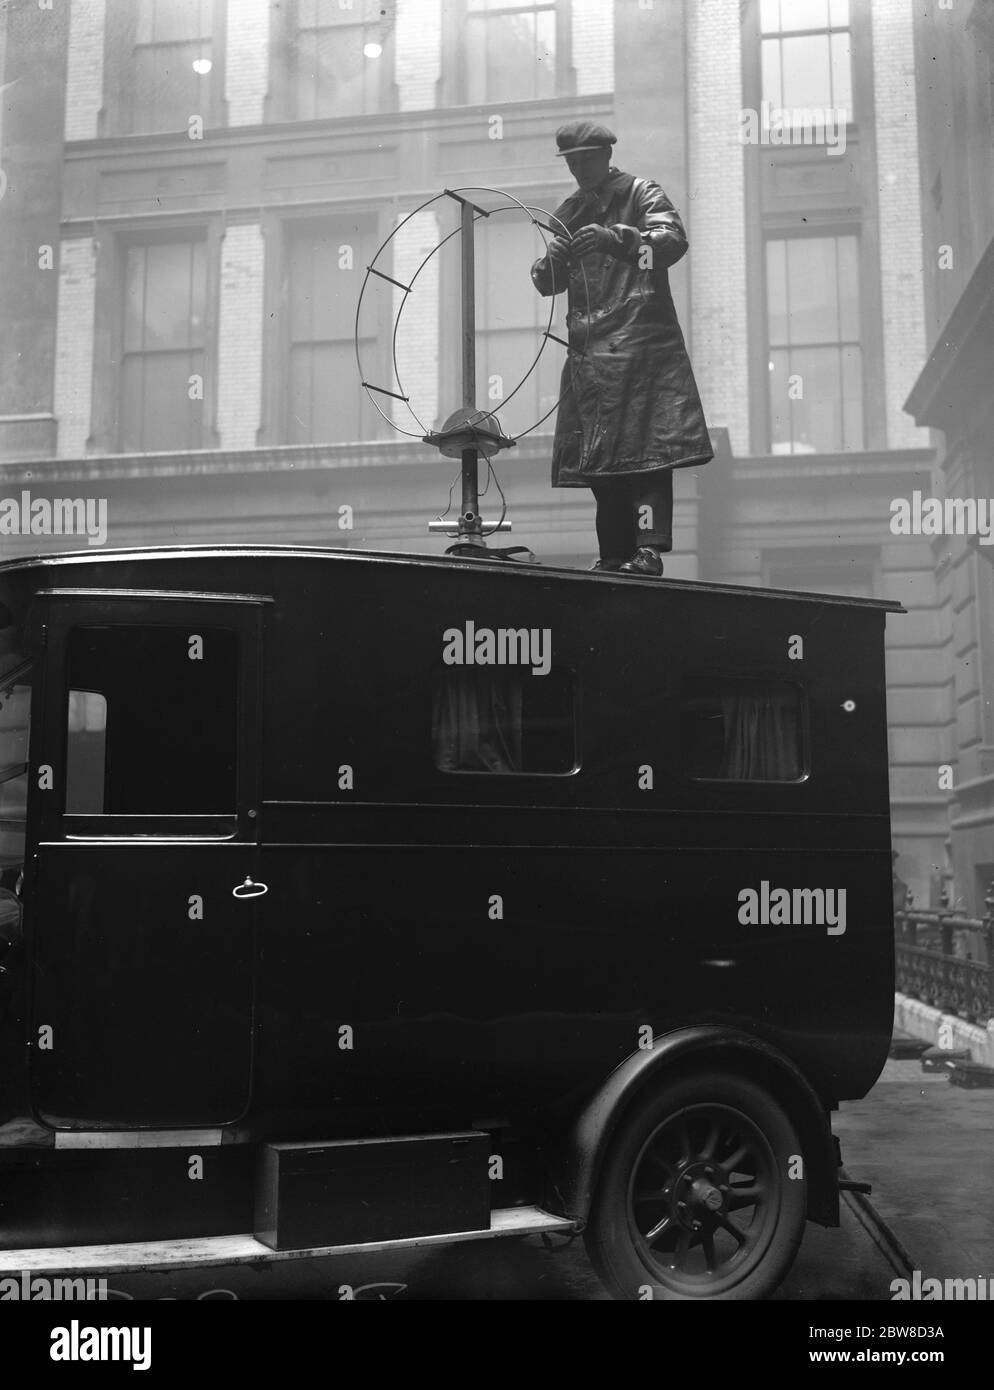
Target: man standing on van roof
x=630, y=411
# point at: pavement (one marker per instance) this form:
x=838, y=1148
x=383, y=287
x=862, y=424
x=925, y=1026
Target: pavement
x=927, y=1147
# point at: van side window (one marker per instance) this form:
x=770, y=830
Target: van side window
x=742, y=730
x=503, y=720
x=15, y=718
x=151, y=720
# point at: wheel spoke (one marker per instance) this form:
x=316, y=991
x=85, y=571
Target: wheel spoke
x=707, y=1240
x=682, y=1248
x=653, y=1156
x=711, y=1141
x=745, y=1196
x=731, y=1164
x=651, y=1194
x=732, y=1229
x=683, y=1137
x=656, y=1231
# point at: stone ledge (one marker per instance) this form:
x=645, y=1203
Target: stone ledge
x=924, y=1021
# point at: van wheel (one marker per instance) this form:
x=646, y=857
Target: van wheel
x=696, y=1197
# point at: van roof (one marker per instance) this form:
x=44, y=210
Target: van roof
x=63, y=560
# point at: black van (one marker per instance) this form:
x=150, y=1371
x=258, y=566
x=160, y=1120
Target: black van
x=349, y=898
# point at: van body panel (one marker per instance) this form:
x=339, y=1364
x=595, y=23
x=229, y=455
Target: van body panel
x=429, y=944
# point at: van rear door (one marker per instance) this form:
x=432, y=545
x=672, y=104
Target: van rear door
x=140, y=909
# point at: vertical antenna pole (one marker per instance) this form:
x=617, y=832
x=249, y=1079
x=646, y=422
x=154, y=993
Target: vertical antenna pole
x=469, y=516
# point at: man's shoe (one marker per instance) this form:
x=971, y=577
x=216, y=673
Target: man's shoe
x=607, y=566
x=646, y=562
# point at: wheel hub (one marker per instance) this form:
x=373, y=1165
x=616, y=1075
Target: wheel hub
x=699, y=1191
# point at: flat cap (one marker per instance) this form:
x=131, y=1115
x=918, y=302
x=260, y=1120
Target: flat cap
x=576, y=136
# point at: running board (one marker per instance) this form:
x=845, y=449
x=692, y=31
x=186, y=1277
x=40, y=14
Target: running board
x=204, y=1251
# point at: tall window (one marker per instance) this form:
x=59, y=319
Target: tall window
x=806, y=54
x=815, y=357
x=171, y=72
x=337, y=57
x=162, y=367
x=325, y=266
x=511, y=50
x=511, y=317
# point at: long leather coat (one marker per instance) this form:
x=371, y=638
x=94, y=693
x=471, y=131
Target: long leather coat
x=630, y=403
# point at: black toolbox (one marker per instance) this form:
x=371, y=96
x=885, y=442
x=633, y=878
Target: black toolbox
x=351, y=1192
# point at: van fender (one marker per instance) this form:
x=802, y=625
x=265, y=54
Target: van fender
x=704, y=1047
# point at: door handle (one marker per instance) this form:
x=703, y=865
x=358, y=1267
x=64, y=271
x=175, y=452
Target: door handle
x=250, y=889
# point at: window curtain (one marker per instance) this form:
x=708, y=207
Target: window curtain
x=476, y=720
x=762, y=734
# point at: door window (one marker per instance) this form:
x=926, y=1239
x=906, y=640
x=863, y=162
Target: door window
x=151, y=716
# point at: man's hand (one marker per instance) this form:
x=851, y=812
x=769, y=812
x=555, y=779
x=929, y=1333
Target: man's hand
x=559, y=249
x=593, y=237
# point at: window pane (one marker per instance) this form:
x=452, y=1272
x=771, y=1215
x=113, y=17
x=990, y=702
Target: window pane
x=812, y=289
x=839, y=12
x=807, y=77
x=510, y=57
x=334, y=76
x=817, y=418
x=323, y=287
x=166, y=21
x=769, y=16
x=174, y=294
x=86, y=753
x=816, y=393
x=156, y=410
x=162, y=90
x=804, y=14
x=848, y=284
x=169, y=722
x=852, y=402
x=322, y=14
x=164, y=330
x=325, y=401
x=503, y=721
x=780, y=414
x=134, y=299
x=772, y=77
x=776, y=291
x=741, y=730
x=166, y=91
x=842, y=74
x=510, y=321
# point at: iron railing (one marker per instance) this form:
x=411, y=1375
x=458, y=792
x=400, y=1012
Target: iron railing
x=947, y=960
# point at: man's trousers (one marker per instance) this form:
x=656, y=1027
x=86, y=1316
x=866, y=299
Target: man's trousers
x=634, y=511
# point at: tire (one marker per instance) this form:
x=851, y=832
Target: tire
x=712, y=1149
